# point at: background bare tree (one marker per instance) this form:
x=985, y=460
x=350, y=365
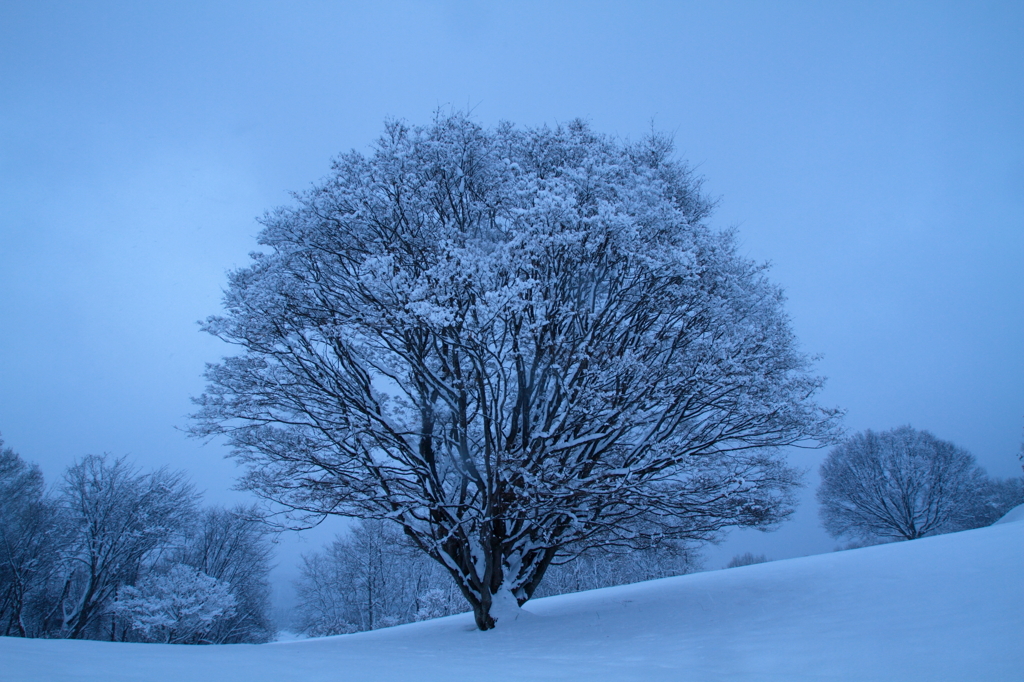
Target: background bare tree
x=900, y=484
x=515, y=344
x=374, y=577
x=371, y=577
x=746, y=559
x=609, y=566
x=233, y=546
x=118, y=519
x=996, y=497
x=97, y=560
x=28, y=544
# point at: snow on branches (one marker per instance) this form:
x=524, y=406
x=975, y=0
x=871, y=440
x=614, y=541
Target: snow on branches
x=180, y=606
x=516, y=344
x=904, y=484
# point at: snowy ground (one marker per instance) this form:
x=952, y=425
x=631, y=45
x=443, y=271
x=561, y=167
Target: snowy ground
x=944, y=608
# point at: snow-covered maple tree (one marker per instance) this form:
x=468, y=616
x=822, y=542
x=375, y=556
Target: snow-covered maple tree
x=516, y=344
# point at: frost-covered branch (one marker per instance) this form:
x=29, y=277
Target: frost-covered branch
x=515, y=344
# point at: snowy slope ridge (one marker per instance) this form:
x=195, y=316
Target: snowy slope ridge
x=1015, y=514
x=942, y=608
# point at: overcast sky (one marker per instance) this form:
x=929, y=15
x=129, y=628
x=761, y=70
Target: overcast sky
x=874, y=153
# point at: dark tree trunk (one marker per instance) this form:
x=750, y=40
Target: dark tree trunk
x=482, y=613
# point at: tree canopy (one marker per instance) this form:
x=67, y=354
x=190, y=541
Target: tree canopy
x=899, y=484
x=516, y=344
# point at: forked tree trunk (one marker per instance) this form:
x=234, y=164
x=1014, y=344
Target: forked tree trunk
x=496, y=593
x=482, y=613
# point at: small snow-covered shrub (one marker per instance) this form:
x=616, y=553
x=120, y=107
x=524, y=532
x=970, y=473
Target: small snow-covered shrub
x=177, y=607
x=435, y=603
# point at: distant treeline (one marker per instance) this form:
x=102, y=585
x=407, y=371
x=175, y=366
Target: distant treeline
x=372, y=577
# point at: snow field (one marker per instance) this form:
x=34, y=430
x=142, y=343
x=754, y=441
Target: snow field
x=949, y=607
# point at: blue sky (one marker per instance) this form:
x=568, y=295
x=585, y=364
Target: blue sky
x=873, y=152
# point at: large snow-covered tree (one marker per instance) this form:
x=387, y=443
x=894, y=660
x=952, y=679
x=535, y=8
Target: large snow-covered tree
x=516, y=344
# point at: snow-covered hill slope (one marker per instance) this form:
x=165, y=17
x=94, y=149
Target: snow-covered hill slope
x=944, y=608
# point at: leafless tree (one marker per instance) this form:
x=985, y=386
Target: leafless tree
x=233, y=546
x=609, y=566
x=371, y=577
x=118, y=519
x=28, y=542
x=996, y=497
x=900, y=484
x=515, y=344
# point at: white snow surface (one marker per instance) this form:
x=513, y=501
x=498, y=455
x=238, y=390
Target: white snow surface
x=949, y=607
x=1015, y=514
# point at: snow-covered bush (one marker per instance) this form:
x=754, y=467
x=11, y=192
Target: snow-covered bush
x=435, y=602
x=180, y=606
